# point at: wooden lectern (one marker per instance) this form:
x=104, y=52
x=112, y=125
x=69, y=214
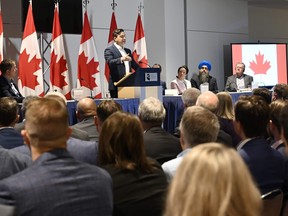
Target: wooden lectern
x=143, y=83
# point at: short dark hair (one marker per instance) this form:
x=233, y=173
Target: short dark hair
x=8, y=111
x=264, y=93
x=253, y=114
x=117, y=32
x=281, y=90
x=6, y=64
x=106, y=108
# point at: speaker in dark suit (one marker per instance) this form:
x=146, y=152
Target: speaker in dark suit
x=119, y=60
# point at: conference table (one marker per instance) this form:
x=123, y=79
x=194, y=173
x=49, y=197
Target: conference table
x=173, y=105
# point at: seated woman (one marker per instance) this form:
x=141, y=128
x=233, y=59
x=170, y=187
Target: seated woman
x=225, y=113
x=181, y=83
x=213, y=180
x=139, y=184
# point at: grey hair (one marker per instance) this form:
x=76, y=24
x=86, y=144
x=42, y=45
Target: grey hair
x=189, y=96
x=151, y=110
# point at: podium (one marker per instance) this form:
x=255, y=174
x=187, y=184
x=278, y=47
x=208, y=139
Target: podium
x=143, y=83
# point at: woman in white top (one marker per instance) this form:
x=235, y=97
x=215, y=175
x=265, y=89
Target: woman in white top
x=180, y=83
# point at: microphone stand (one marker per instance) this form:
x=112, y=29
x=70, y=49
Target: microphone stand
x=82, y=79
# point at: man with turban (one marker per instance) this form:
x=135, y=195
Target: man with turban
x=204, y=77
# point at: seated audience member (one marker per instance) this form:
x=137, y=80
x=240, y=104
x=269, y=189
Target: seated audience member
x=189, y=98
x=264, y=93
x=265, y=163
x=239, y=80
x=86, y=110
x=162, y=83
x=274, y=126
x=12, y=162
x=225, y=113
x=20, y=125
x=9, y=137
x=139, y=184
x=280, y=91
x=204, y=77
x=76, y=133
x=181, y=83
x=275, y=139
x=7, y=86
x=104, y=110
x=212, y=180
x=82, y=150
x=210, y=101
x=198, y=125
x=159, y=144
x=55, y=184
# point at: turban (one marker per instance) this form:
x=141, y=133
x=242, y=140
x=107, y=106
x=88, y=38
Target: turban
x=206, y=63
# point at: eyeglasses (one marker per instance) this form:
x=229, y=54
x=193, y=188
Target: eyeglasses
x=204, y=68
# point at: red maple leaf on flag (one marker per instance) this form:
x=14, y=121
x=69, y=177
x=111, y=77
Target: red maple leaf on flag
x=57, y=68
x=85, y=76
x=29, y=68
x=260, y=67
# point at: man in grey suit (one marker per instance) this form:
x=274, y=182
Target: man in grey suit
x=55, y=184
x=12, y=162
x=86, y=110
x=119, y=60
x=239, y=80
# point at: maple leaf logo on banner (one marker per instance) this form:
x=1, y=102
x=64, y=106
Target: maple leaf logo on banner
x=260, y=67
x=28, y=78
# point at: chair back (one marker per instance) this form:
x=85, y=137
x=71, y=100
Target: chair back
x=272, y=203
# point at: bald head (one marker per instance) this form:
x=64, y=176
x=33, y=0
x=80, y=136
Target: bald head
x=208, y=100
x=86, y=108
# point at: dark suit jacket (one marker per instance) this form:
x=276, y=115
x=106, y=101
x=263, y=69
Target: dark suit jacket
x=6, y=90
x=160, y=145
x=195, y=82
x=12, y=162
x=117, y=69
x=56, y=184
x=231, y=84
x=85, y=151
x=88, y=126
x=265, y=164
x=10, y=138
x=164, y=86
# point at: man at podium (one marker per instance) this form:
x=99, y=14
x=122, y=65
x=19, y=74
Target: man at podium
x=119, y=60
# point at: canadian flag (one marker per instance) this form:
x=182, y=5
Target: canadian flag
x=140, y=51
x=265, y=62
x=113, y=26
x=1, y=36
x=30, y=74
x=88, y=63
x=59, y=74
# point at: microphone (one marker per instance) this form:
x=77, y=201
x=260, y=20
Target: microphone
x=141, y=62
x=82, y=79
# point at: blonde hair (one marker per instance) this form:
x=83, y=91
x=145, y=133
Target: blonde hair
x=225, y=106
x=46, y=122
x=213, y=180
